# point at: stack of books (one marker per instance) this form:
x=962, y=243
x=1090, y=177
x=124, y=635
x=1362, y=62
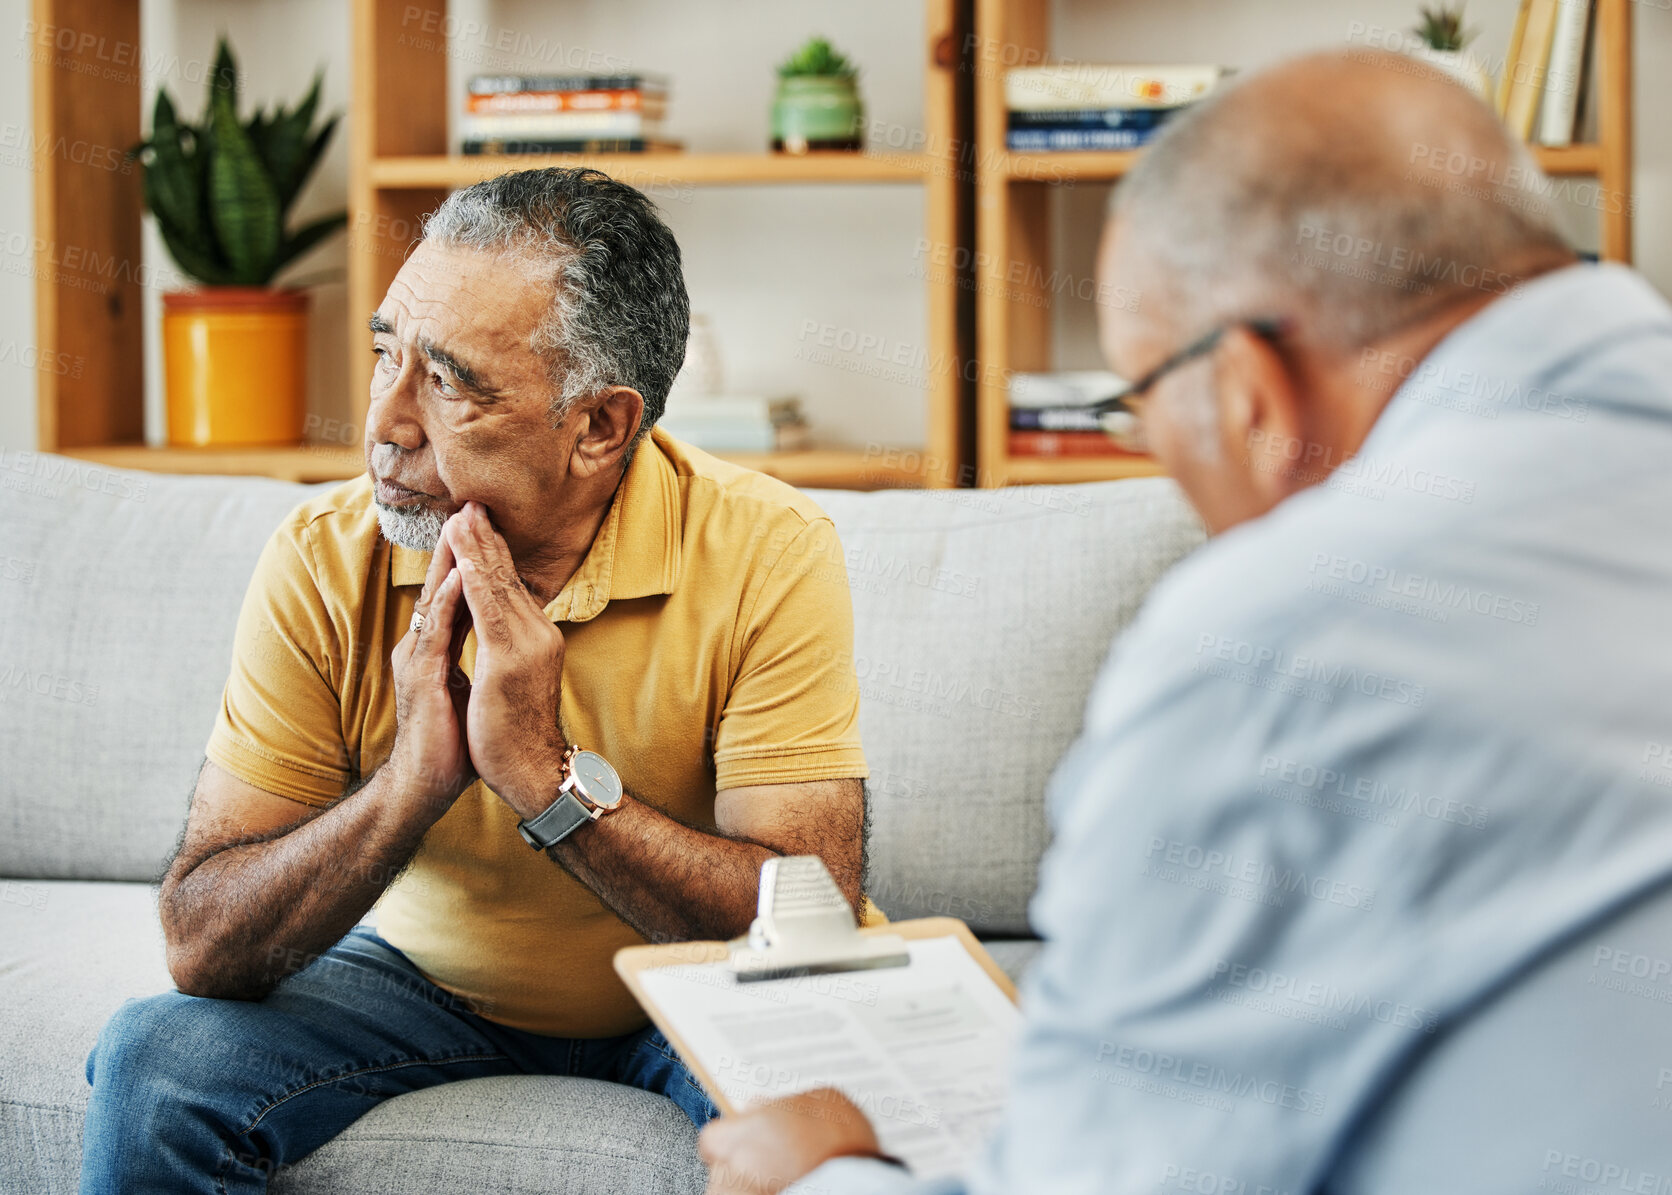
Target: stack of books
x=1050, y=415
x=563, y=114
x=1540, y=91
x=1080, y=106
x=736, y=423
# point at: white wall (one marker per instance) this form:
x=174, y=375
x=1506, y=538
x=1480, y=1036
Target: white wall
x=762, y=262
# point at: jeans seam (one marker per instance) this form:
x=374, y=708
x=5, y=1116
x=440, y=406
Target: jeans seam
x=365, y=1070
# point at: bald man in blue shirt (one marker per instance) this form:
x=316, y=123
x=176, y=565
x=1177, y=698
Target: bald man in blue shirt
x=1362, y=869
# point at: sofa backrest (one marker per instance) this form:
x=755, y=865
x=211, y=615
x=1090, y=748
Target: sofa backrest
x=119, y=592
x=980, y=621
x=981, y=618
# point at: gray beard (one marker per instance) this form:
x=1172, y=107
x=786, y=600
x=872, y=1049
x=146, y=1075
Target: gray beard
x=418, y=529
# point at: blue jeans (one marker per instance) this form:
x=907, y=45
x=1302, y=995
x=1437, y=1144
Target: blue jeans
x=197, y=1095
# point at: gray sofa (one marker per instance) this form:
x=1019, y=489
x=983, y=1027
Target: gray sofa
x=981, y=619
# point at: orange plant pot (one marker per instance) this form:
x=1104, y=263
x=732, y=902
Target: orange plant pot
x=235, y=365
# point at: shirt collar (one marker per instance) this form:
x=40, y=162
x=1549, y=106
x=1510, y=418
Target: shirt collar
x=1560, y=315
x=636, y=552
x=1530, y=333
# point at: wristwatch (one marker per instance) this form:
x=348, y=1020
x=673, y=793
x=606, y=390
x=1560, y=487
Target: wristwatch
x=590, y=789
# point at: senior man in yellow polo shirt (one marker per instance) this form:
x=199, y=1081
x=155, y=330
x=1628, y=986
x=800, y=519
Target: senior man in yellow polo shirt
x=543, y=684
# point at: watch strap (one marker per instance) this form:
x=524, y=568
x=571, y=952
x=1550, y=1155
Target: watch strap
x=562, y=818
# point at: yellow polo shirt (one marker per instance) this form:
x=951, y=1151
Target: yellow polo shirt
x=709, y=646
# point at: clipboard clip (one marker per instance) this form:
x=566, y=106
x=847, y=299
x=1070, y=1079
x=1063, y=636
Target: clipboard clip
x=803, y=926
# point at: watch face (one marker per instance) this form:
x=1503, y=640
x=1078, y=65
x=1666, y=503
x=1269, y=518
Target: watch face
x=597, y=779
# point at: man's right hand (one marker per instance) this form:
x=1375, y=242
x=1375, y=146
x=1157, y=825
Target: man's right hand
x=432, y=693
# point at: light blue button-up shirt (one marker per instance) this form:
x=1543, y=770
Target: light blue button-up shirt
x=1357, y=765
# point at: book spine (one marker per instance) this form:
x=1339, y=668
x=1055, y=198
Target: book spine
x=1561, y=81
x=1517, y=35
x=1054, y=419
x=1048, y=444
x=560, y=124
x=1090, y=118
x=565, y=145
x=1077, y=139
x=509, y=102
x=501, y=84
x=1528, y=70
x=1088, y=85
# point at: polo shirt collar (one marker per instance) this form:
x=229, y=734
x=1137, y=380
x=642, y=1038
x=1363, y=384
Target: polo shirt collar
x=636, y=553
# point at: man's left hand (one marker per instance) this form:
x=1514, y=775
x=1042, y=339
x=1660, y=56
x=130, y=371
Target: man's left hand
x=511, y=723
x=763, y=1151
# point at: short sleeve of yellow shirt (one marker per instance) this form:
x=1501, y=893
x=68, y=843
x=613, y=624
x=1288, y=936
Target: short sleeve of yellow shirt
x=281, y=717
x=709, y=645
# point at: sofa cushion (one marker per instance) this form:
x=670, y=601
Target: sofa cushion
x=118, y=596
x=981, y=618
x=71, y=953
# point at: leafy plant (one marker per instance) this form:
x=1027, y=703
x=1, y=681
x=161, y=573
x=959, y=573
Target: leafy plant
x=817, y=57
x=1442, y=28
x=221, y=190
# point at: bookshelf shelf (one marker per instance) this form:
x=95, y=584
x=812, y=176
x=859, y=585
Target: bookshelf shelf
x=294, y=462
x=817, y=468
x=1013, y=236
x=664, y=169
x=1065, y=167
x=1568, y=159
x=1048, y=470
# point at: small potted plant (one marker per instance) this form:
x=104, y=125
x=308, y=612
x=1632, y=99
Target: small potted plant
x=817, y=106
x=235, y=349
x=1443, y=39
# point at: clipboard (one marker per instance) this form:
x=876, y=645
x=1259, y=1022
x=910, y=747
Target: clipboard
x=632, y=961
x=912, y=1020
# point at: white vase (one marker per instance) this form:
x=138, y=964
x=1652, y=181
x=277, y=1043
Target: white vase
x=1465, y=68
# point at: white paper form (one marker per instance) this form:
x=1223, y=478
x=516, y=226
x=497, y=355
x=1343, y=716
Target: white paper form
x=922, y=1049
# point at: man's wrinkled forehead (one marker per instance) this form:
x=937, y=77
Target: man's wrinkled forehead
x=444, y=294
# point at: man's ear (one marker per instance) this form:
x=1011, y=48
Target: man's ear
x=1262, y=419
x=607, y=428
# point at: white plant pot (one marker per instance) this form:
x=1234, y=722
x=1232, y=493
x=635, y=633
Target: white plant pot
x=1463, y=67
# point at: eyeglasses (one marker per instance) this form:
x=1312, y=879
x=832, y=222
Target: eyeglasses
x=1119, y=416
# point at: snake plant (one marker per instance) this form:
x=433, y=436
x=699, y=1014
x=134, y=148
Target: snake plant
x=1442, y=29
x=221, y=190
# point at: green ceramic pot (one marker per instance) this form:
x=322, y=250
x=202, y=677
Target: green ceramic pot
x=812, y=112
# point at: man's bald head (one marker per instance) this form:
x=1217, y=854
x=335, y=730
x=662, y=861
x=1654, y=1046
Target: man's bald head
x=1363, y=201
x=1351, y=191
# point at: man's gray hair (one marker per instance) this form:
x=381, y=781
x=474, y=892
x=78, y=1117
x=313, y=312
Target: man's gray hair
x=620, y=314
x=1240, y=209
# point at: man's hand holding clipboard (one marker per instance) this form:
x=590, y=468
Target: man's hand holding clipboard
x=819, y=1039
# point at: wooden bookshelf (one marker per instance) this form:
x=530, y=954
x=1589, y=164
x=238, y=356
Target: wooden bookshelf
x=1013, y=223
x=400, y=167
